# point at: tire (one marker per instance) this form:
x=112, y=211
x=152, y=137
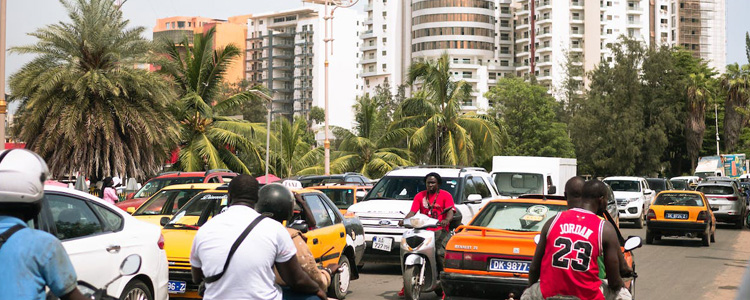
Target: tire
x=136, y=290
x=705, y=239
x=649, y=237
x=411, y=276
x=713, y=237
x=340, y=281
x=657, y=237
x=738, y=224
x=639, y=223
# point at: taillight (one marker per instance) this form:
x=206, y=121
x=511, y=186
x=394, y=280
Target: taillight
x=453, y=259
x=651, y=215
x=702, y=216
x=160, y=243
x=476, y=261
x=732, y=198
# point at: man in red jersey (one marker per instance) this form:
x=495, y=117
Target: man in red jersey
x=565, y=261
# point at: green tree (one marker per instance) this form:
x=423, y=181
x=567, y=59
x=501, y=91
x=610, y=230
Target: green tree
x=736, y=81
x=208, y=139
x=433, y=122
x=571, y=89
x=294, y=154
x=253, y=111
x=317, y=115
x=699, y=93
x=83, y=105
x=747, y=46
x=528, y=113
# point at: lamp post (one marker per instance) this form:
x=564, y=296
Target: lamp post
x=328, y=18
x=3, y=104
x=268, y=123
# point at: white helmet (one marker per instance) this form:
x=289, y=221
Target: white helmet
x=22, y=176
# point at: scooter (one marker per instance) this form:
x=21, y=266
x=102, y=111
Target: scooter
x=130, y=266
x=418, y=262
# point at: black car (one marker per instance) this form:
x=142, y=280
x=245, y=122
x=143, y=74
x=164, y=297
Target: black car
x=346, y=178
x=659, y=184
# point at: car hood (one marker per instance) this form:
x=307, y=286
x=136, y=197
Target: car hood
x=381, y=206
x=620, y=195
x=135, y=202
x=177, y=243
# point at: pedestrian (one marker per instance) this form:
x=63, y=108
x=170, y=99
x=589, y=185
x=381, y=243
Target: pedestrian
x=565, y=261
x=437, y=204
x=109, y=193
x=32, y=260
x=277, y=202
x=250, y=274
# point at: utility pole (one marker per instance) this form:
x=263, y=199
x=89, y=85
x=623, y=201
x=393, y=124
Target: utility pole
x=716, y=118
x=268, y=124
x=3, y=104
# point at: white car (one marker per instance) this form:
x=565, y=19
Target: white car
x=98, y=236
x=633, y=197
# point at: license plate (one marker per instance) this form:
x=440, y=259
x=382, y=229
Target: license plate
x=176, y=287
x=513, y=266
x=382, y=243
x=680, y=216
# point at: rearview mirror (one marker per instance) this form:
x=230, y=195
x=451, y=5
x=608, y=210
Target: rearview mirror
x=633, y=242
x=648, y=192
x=130, y=210
x=131, y=265
x=552, y=190
x=299, y=225
x=474, y=198
x=163, y=221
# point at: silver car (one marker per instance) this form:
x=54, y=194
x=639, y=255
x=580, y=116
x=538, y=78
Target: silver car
x=727, y=198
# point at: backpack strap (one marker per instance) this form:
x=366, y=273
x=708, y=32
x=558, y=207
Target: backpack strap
x=236, y=245
x=6, y=235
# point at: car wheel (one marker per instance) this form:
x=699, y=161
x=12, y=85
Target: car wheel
x=713, y=237
x=412, y=290
x=136, y=290
x=340, y=282
x=649, y=237
x=738, y=224
x=657, y=237
x=639, y=223
x=705, y=239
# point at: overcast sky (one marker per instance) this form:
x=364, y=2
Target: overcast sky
x=25, y=16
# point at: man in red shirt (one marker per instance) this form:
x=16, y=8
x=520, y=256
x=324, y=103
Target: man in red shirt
x=437, y=204
x=565, y=261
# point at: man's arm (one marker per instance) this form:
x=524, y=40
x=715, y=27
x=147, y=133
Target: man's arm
x=611, y=258
x=197, y=275
x=291, y=272
x=536, y=263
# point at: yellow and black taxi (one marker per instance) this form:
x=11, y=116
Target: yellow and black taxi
x=331, y=237
x=681, y=213
x=490, y=258
x=168, y=201
x=343, y=196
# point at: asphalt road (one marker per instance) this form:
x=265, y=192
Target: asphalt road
x=674, y=268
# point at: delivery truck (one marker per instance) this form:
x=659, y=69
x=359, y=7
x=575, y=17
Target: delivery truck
x=520, y=175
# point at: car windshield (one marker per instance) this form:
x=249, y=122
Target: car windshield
x=516, y=216
x=173, y=199
x=192, y=212
x=515, y=184
x=155, y=185
x=624, y=185
x=681, y=199
x=315, y=181
x=716, y=189
x=657, y=185
x=679, y=184
x=343, y=198
x=406, y=187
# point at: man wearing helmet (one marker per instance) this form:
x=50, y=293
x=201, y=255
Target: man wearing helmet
x=31, y=259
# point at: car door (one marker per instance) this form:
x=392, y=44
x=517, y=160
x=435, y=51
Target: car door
x=89, y=238
x=327, y=240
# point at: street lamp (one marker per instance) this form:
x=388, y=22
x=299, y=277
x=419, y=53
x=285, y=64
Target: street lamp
x=268, y=123
x=329, y=38
x=3, y=104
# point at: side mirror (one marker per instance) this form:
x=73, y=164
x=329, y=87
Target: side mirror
x=299, y=225
x=633, y=242
x=131, y=265
x=537, y=238
x=474, y=199
x=130, y=196
x=163, y=221
x=714, y=208
x=360, y=195
x=648, y=192
x=552, y=190
x=130, y=210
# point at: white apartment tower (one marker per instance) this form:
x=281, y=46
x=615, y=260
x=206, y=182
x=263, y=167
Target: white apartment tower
x=286, y=53
x=380, y=46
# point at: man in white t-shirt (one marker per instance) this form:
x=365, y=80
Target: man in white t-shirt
x=250, y=272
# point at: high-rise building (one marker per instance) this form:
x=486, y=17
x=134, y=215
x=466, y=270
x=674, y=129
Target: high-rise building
x=286, y=53
x=698, y=26
x=381, y=46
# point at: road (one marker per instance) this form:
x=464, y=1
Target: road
x=674, y=268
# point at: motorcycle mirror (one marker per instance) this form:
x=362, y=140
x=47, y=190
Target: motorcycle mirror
x=131, y=265
x=537, y=238
x=633, y=242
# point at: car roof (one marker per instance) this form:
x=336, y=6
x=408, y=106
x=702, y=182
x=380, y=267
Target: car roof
x=191, y=186
x=685, y=177
x=623, y=178
x=340, y=187
x=680, y=192
x=655, y=179
x=712, y=182
x=442, y=171
x=194, y=174
x=530, y=200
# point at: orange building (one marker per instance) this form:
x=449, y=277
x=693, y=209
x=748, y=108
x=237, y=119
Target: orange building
x=232, y=31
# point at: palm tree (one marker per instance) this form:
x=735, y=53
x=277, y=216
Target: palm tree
x=698, y=95
x=294, y=152
x=83, y=105
x=439, y=129
x=736, y=81
x=363, y=154
x=208, y=139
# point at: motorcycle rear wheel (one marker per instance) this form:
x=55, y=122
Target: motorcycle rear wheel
x=412, y=290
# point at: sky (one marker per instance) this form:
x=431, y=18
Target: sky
x=24, y=16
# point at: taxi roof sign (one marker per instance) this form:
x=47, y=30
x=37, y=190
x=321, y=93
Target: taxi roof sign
x=292, y=184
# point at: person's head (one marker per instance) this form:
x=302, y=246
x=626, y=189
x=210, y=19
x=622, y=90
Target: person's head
x=22, y=176
x=574, y=191
x=243, y=190
x=276, y=202
x=594, y=196
x=107, y=182
x=432, y=182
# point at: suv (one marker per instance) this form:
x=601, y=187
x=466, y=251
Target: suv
x=346, y=178
x=726, y=198
x=134, y=200
x=659, y=184
x=391, y=198
x=633, y=197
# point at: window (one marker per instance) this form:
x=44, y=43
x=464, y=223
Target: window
x=112, y=221
x=214, y=180
x=481, y=187
x=166, y=202
x=319, y=211
x=73, y=218
x=469, y=188
x=180, y=24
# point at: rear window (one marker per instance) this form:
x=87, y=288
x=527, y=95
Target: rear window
x=624, y=185
x=516, y=216
x=679, y=199
x=716, y=189
x=342, y=198
x=657, y=184
x=679, y=184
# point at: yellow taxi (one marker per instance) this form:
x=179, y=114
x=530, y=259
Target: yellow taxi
x=343, y=196
x=331, y=237
x=681, y=213
x=490, y=258
x=167, y=201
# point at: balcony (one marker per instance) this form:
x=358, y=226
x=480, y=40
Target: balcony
x=544, y=21
x=366, y=47
x=576, y=34
x=368, y=7
x=577, y=5
x=368, y=73
x=367, y=34
x=369, y=60
x=578, y=20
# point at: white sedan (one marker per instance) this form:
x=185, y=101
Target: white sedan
x=98, y=236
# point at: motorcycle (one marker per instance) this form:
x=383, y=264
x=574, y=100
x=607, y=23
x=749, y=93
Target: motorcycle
x=130, y=265
x=418, y=261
